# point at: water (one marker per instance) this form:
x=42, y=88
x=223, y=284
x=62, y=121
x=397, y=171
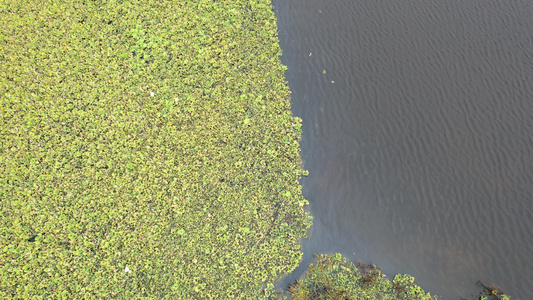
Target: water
x=421, y=150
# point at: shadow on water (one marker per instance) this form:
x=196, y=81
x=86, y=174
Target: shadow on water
x=417, y=133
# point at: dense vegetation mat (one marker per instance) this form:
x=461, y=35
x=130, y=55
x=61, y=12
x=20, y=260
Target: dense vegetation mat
x=147, y=150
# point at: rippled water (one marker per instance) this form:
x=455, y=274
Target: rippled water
x=420, y=151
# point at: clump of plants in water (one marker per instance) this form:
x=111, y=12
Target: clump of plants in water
x=333, y=277
x=492, y=292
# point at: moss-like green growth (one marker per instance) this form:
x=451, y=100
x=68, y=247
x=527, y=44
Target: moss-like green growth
x=333, y=277
x=147, y=150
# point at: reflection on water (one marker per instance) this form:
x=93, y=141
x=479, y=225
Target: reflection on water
x=418, y=137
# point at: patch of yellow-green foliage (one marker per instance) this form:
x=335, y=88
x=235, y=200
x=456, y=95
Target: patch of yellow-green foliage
x=147, y=150
x=333, y=277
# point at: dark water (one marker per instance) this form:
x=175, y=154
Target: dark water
x=421, y=151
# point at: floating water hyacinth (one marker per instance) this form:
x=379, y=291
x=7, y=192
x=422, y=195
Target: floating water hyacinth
x=168, y=173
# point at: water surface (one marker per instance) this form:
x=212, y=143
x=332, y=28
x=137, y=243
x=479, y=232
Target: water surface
x=418, y=137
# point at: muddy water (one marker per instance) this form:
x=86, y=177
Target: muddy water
x=418, y=136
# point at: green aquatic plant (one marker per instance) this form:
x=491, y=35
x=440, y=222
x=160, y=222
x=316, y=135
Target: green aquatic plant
x=147, y=150
x=333, y=277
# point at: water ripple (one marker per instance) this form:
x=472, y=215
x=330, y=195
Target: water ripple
x=419, y=135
